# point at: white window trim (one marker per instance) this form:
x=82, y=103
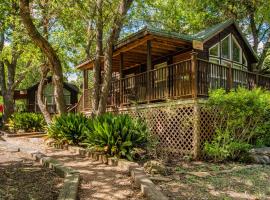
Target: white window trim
x=214, y=58
x=217, y=44
x=230, y=46
x=244, y=59
x=234, y=40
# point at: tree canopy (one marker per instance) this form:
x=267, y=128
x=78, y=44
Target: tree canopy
x=74, y=29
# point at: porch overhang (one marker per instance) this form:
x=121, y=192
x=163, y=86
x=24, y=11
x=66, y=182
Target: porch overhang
x=132, y=50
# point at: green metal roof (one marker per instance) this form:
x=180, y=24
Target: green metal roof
x=201, y=36
x=209, y=32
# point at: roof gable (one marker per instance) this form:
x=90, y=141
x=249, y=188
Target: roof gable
x=209, y=33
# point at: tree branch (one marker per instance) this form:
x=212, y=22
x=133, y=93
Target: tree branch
x=22, y=75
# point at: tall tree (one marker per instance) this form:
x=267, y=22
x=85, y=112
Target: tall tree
x=113, y=35
x=47, y=49
x=12, y=51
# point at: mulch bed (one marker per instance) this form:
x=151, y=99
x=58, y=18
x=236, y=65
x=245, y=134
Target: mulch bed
x=27, y=180
x=202, y=180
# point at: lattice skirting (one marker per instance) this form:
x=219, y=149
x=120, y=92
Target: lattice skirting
x=181, y=127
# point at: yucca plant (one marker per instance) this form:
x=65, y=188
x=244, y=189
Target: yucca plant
x=116, y=134
x=68, y=128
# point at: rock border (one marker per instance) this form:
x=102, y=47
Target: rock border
x=9, y=134
x=148, y=188
x=71, y=177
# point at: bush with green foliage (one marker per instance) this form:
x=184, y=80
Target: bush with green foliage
x=27, y=122
x=68, y=128
x=117, y=135
x=243, y=121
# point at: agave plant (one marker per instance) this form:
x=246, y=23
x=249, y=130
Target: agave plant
x=116, y=134
x=68, y=128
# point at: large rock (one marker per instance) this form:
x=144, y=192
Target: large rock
x=260, y=155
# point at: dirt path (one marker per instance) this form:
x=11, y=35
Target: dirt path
x=99, y=181
x=23, y=178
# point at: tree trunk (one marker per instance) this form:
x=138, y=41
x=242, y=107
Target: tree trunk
x=47, y=49
x=266, y=48
x=254, y=32
x=97, y=65
x=41, y=104
x=117, y=26
x=7, y=85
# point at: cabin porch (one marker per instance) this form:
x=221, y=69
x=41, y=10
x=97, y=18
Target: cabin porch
x=191, y=78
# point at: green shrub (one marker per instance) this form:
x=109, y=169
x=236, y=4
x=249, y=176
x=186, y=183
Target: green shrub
x=68, y=128
x=243, y=121
x=117, y=135
x=27, y=122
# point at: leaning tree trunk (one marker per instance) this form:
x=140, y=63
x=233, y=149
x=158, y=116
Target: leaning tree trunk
x=47, y=49
x=41, y=104
x=113, y=36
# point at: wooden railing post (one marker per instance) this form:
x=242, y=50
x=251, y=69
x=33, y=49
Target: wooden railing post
x=85, y=86
x=257, y=80
x=120, y=78
x=230, y=78
x=194, y=77
x=149, y=66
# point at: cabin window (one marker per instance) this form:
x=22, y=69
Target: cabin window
x=227, y=51
x=236, y=51
x=49, y=100
x=48, y=94
x=67, y=97
x=225, y=47
x=214, y=51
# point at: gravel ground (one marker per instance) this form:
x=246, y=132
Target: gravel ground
x=24, y=179
x=99, y=181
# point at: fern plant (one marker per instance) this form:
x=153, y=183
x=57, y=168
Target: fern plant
x=68, y=128
x=117, y=135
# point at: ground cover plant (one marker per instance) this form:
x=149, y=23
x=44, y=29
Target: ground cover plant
x=27, y=122
x=242, y=122
x=68, y=128
x=117, y=135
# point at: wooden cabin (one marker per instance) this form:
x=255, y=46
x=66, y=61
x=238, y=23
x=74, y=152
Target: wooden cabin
x=30, y=95
x=153, y=67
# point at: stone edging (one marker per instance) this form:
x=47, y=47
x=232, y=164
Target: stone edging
x=71, y=177
x=148, y=188
x=9, y=134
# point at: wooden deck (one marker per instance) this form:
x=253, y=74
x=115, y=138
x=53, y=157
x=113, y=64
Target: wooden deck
x=185, y=79
x=192, y=78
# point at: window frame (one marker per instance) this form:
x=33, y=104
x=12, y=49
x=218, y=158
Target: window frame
x=217, y=44
x=240, y=48
x=230, y=54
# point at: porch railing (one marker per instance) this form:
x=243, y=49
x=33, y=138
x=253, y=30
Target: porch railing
x=189, y=78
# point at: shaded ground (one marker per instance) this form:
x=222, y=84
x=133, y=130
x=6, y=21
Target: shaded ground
x=98, y=181
x=24, y=179
x=199, y=180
